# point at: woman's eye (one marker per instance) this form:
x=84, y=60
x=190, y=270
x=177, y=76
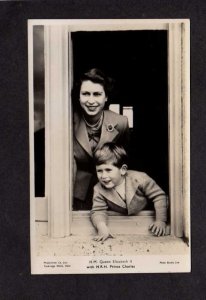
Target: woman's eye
x=97, y=94
x=85, y=93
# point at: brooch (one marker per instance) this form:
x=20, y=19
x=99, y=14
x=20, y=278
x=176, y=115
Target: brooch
x=110, y=127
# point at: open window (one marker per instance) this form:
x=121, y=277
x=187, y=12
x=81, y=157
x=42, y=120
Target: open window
x=150, y=61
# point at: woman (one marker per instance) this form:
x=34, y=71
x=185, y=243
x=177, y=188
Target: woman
x=93, y=126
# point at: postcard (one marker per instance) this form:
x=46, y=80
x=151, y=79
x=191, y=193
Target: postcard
x=109, y=104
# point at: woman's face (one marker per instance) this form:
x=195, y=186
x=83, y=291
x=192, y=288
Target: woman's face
x=92, y=98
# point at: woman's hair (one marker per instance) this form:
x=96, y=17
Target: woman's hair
x=111, y=153
x=96, y=76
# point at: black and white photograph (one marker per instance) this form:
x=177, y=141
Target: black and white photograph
x=109, y=141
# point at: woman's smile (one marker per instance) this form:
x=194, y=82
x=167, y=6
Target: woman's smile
x=91, y=107
x=92, y=98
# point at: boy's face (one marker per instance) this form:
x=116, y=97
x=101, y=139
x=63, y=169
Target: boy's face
x=109, y=175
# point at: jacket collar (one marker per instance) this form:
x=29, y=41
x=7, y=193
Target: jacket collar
x=130, y=189
x=112, y=195
x=81, y=135
x=107, y=134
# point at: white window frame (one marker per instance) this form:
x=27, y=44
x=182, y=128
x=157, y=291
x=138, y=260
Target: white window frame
x=56, y=206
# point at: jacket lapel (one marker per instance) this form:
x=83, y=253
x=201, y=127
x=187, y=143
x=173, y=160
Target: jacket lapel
x=81, y=134
x=106, y=135
x=112, y=196
x=130, y=190
x=135, y=202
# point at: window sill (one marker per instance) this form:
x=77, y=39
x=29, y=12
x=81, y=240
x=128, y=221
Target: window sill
x=119, y=224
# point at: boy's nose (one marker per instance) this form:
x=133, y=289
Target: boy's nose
x=104, y=175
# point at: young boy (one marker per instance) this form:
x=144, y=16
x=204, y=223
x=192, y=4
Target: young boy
x=123, y=191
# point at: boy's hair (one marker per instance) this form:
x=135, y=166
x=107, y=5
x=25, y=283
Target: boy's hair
x=111, y=153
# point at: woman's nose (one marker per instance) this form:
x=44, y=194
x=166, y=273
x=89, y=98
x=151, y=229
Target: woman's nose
x=91, y=99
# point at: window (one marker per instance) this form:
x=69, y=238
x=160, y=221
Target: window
x=166, y=121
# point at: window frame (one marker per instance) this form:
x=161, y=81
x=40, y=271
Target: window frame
x=55, y=206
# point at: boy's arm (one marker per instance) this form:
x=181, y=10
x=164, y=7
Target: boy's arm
x=157, y=195
x=99, y=209
x=159, y=226
x=153, y=192
x=99, y=216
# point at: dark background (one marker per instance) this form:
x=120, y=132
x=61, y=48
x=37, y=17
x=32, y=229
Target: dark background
x=137, y=61
x=15, y=279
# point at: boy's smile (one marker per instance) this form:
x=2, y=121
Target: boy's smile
x=110, y=175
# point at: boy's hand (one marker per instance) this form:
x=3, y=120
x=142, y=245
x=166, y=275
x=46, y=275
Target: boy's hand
x=103, y=233
x=158, y=228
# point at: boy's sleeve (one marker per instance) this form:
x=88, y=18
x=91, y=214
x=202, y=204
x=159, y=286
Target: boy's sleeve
x=157, y=195
x=99, y=209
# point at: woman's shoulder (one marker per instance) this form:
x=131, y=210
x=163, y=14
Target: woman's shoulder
x=76, y=118
x=114, y=116
x=76, y=115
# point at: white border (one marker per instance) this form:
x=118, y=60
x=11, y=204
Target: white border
x=183, y=119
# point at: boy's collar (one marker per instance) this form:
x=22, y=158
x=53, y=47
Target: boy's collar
x=130, y=190
x=120, y=189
